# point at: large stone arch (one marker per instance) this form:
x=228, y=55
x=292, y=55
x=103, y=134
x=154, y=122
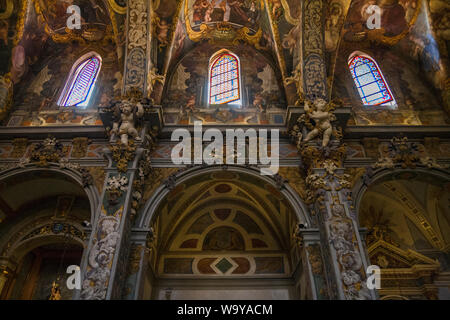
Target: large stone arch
x=362, y=185
x=36, y=227
x=90, y=190
x=266, y=224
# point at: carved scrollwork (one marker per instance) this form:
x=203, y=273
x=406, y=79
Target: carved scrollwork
x=50, y=150
x=135, y=68
x=137, y=34
x=100, y=257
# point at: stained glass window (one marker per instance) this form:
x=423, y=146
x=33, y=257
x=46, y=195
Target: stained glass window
x=81, y=83
x=224, y=84
x=370, y=82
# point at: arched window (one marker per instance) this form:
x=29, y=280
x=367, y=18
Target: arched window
x=224, y=79
x=370, y=82
x=81, y=82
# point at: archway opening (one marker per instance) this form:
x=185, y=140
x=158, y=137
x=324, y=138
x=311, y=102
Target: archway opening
x=224, y=235
x=406, y=214
x=44, y=214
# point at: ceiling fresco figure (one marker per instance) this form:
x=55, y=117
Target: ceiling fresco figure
x=397, y=17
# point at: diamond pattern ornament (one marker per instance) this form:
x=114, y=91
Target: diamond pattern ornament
x=224, y=265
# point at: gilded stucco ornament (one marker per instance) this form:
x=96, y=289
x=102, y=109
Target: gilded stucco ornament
x=122, y=154
x=115, y=187
x=50, y=150
x=405, y=154
x=222, y=31
x=297, y=79
x=137, y=34
x=143, y=172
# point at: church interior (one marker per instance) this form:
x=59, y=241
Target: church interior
x=357, y=92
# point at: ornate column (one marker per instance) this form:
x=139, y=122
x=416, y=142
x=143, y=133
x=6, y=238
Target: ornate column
x=137, y=55
x=313, y=46
x=105, y=261
x=344, y=265
x=343, y=250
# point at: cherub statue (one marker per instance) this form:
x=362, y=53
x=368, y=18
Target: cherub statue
x=125, y=126
x=321, y=113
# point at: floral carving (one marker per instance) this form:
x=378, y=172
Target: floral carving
x=137, y=34
x=95, y=284
x=115, y=187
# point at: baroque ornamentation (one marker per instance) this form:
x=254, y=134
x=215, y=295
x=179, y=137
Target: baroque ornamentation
x=297, y=79
x=315, y=77
x=313, y=27
x=152, y=78
x=341, y=233
x=50, y=150
x=135, y=69
x=315, y=259
x=123, y=154
x=115, y=187
x=137, y=34
x=143, y=172
x=405, y=154
x=314, y=72
x=316, y=157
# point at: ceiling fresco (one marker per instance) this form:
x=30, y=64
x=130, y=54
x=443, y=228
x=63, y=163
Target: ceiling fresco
x=265, y=34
